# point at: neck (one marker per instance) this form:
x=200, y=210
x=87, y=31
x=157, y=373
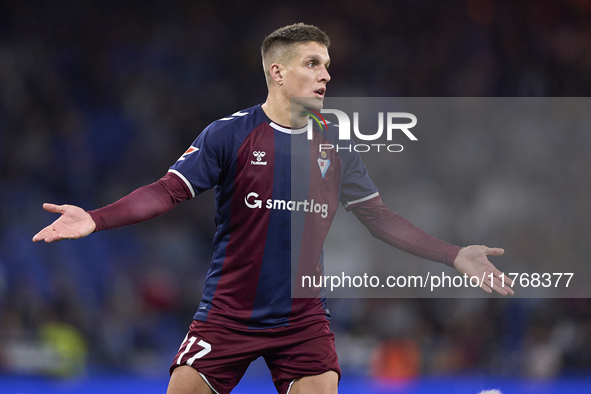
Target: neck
x=279, y=110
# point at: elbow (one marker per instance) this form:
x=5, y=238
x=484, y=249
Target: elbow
x=376, y=233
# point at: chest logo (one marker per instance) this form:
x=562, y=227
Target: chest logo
x=259, y=158
x=323, y=164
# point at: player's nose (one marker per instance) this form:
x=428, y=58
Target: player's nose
x=324, y=75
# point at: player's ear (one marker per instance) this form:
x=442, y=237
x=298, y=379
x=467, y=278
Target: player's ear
x=277, y=72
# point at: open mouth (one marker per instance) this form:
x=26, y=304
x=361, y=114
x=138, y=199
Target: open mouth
x=320, y=92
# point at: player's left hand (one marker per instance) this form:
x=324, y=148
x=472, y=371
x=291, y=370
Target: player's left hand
x=73, y=223
x=473, y=262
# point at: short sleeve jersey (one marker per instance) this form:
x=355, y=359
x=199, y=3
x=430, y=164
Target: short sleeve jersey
x=276, y=194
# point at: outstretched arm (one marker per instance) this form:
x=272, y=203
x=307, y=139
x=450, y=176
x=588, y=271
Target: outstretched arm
x=395, y=230
x=144, y=203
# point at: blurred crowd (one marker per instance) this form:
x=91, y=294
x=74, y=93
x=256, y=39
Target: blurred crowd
x=99, y=98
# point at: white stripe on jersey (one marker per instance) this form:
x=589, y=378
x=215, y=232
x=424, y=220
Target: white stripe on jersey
x=349, y=203
x=184, y=180
x=286, y=130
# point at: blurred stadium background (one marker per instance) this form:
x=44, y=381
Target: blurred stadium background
x=98, y=98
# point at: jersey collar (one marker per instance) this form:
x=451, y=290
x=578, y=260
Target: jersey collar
x=283, y=129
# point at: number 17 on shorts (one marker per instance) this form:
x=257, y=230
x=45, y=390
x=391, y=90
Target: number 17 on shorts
x=206, y=348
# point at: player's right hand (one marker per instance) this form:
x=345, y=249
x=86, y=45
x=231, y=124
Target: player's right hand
x=73, y=223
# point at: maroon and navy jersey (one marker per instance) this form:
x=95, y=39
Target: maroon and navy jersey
x=276, y=195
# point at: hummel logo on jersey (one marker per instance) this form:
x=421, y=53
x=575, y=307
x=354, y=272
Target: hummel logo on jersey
x=188, y=152
x=259, y=161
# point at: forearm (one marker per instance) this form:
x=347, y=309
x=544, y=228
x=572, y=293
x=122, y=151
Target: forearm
x=145, y=203
x=395, y=230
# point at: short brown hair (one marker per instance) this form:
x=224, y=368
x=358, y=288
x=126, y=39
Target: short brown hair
x=296, y=33
x=278, y=44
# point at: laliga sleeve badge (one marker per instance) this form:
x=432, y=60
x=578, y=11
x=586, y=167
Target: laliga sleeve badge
x=188, y=152
x=323, y=163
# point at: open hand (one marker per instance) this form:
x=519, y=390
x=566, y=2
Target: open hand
x=473, y=262
x=73, y=223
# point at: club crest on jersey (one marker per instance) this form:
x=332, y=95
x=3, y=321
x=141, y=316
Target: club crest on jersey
x=259, y=158
x=323, y=163
x=188, y=152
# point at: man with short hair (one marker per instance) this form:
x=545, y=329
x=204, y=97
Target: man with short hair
x=269, y=215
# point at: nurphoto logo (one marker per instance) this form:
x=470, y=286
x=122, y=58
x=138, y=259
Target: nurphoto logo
x=344, y=125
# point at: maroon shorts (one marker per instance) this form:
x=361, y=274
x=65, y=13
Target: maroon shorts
x=221, y=355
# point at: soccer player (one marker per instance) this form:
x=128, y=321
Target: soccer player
x=271, y=210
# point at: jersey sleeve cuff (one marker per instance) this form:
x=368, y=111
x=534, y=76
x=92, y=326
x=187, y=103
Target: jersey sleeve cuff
x=352, y=204
x=97, y=221
x=185, y=180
